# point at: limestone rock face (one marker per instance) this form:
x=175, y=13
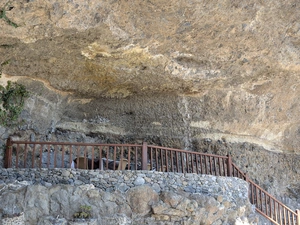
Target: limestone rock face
x=227, y=68
x=174, y=73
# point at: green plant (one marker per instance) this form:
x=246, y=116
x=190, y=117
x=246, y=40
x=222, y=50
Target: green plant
x=5, y=63
x=7, y=46
x=3, y=16
x=12, y=99
x=84, y=213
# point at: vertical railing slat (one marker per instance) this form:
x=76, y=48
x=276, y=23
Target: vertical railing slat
x=284, y=215
x=151, y=158
x=298, y=216
x=86, y=164
x=167, y=163
x=197, y=163
x=224, y=167
x=156, y=160
x=122, y=157
x=41, y=155
x=220, y=166
x=229, y=166
x=201, y=164
x=161, y=160
x=93, y=157
x=177, y=164
x=252, y=190
x=33, y=155
x=266, y=205
x=100, y=158
x=257, y=197
x=205, y=165
x=275, y=212
x=129, y=158
x=115, y=156
x=187, y=162
x=135, y=160
x=70, y=156
x=63, y=156
x=280, y=215
x=210, y=165
x=144, y=156
x=17, y=155
x=25, y=156
x=192, y=162
x=182, y=163
x=293, y=219
x=78, y=155
x=48, y=156
x=55, y=153
x=107, y=155
x=172, y=161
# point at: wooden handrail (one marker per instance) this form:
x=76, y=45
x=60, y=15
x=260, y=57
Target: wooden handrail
x=147, y=157
x=280, y=206
x=180, y=150
x=73, y=143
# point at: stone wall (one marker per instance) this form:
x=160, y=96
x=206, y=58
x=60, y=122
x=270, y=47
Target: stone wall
x=124, y=197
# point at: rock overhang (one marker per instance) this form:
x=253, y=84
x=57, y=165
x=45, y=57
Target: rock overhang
x=233, y=65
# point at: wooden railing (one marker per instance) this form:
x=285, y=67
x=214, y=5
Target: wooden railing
x=271, y=208
x=266, y=204
x=182, y=161
x=23, y=154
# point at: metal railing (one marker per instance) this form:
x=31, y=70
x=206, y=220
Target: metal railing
x=182, y=161
x=24, y=154
x=266, y=204
x=271, y=208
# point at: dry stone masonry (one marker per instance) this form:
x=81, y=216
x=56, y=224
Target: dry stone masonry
x=124, y=197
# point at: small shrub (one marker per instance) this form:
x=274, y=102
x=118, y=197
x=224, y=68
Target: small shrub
x=4, y=17
x=12, y=99
x=84, y=213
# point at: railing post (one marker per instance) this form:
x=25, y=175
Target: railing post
x=144, y=156
x=298, y=216
x=249, y=187
x=8, y=153
x=229, y=166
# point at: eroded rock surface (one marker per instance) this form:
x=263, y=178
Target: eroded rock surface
x=174, y=73
x=228, y=69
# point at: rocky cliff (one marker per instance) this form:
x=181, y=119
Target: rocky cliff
x=219, y=76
